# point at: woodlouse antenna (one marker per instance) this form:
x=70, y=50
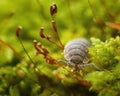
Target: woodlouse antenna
x=19, y=28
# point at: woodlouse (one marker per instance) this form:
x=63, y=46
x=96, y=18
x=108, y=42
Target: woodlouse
x=75, y=52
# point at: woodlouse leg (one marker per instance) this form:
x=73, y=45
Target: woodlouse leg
x=95, y=66
x=72, y=65
x=90, y=64
x=83, y=65
x=68, y=63
x=62, y=61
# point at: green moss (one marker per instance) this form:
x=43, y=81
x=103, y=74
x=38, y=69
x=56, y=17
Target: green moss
x=74, y=19
x=106, y=56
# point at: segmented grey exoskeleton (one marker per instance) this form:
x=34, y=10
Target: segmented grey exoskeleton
x=76, y=52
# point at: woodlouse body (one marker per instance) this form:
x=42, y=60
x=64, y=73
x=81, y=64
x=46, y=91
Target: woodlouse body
x=75, y=51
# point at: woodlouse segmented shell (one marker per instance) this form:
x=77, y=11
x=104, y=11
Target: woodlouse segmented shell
x=75, y=51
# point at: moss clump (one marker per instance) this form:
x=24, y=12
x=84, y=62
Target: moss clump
x=106, y=55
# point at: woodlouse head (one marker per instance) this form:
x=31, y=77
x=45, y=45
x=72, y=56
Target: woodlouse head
x=75, y=60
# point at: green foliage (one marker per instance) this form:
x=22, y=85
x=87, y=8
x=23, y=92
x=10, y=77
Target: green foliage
x=74, y=19
x=106, y=55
